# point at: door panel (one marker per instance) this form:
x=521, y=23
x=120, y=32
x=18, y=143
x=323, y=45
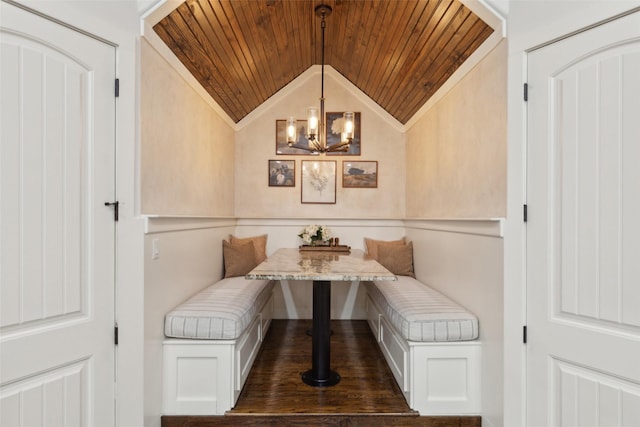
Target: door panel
x=596, y=186
x=55, y=396
x=587, y=397
x=583, y=233
x=57, y=169
x=44, y=218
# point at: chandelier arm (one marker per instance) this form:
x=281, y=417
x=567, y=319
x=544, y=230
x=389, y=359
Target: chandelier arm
x=302, y=147
x=318, y=146
x=339, y=146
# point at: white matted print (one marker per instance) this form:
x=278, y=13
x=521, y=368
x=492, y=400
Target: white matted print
x=318, y=181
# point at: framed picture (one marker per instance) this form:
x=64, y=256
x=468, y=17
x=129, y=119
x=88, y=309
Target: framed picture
x=282, y=173
x=360, y=174
x=282, y=148
x=318, y=181
x=334, y=134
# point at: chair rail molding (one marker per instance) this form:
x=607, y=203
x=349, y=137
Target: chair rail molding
x=492, y=227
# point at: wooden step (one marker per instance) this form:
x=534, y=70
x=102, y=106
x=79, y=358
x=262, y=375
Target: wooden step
x=325, y=420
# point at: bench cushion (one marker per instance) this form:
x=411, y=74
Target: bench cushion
x=420, y=313
x=222, y=311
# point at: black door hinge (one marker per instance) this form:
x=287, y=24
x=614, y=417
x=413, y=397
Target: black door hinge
x=115, y=334
x=526, y=92
x=524, y=334
x=117, y=88
x=524, y=213
x=116, y=209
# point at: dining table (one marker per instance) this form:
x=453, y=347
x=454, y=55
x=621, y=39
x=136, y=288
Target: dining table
x=321, y=266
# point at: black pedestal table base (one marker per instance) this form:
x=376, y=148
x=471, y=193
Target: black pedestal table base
x=320, y=374
x=307, y=378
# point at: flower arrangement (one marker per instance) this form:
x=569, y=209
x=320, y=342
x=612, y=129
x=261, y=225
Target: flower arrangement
x=315, y=234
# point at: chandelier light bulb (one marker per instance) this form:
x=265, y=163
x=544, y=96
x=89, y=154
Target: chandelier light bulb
x=349, y=126
x=292, y=126
x=312, y=122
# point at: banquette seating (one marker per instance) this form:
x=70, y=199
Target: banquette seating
x=213, y=340
x=429, y=342
x=214, y=337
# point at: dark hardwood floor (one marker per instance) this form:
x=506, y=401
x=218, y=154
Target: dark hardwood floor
x=366, y=385
x=274, y=394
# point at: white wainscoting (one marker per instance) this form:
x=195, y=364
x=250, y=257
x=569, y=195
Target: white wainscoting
x=463, y=259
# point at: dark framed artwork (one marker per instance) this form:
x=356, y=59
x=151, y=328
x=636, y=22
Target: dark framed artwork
x=359, y=174
x=282, y=148
x=282, y=173
x=318, y=181
x=334, y=133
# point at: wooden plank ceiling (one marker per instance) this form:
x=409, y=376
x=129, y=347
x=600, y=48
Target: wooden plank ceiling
x=398, y=52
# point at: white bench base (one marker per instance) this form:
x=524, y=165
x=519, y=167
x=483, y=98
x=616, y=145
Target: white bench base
x=205, y=377
x=436, y=378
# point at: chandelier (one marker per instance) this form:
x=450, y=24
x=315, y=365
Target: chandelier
x=316, y=134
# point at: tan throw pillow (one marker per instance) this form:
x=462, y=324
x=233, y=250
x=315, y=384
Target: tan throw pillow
x=371, y=245
x=259, y=243
x=398, y=259
x=239, y=259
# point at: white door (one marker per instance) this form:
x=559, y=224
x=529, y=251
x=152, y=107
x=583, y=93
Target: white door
x=583, y=229
x=57, y=170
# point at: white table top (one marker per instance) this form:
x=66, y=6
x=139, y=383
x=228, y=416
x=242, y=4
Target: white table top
x=291, y=264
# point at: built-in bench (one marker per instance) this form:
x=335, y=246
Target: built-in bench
x=212, y=341
x=430, y=344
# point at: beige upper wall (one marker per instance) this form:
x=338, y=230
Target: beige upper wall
x=381, y=141
x=456, y=153
x=450, y=164
x=187, y=150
